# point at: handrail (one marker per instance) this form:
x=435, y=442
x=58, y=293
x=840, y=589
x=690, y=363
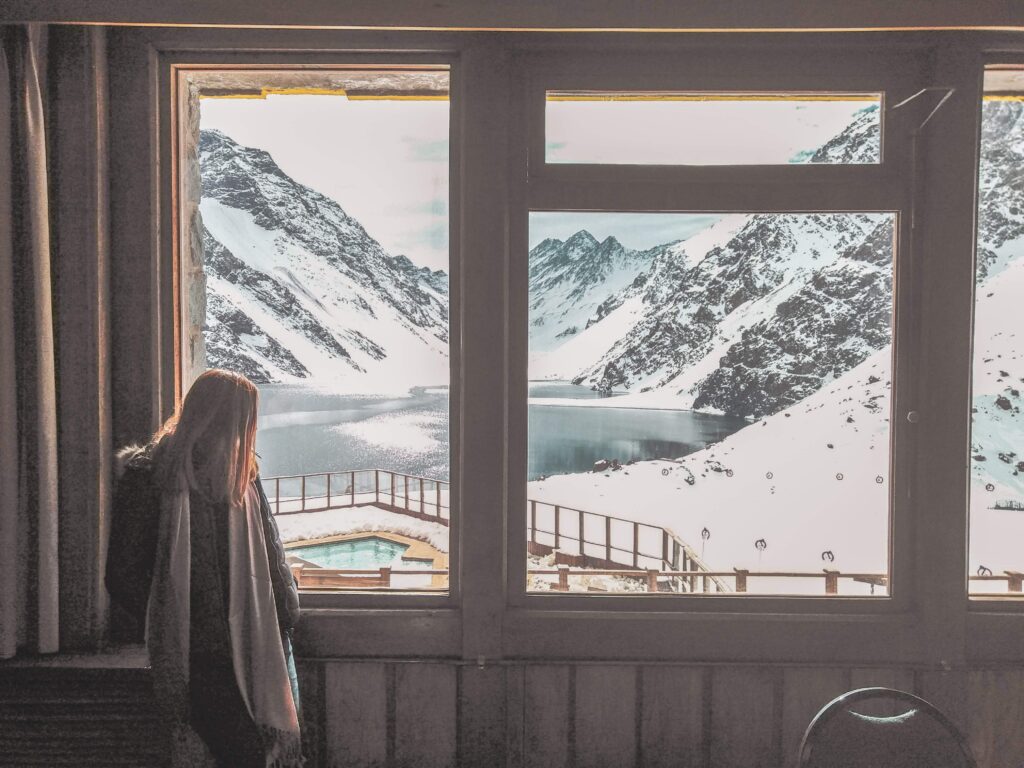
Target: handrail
x=404, y=493
x=675, y=552
x=321, y=578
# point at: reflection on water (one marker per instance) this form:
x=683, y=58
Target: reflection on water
x=565, y=390
x=571, y=438
x=304, y=429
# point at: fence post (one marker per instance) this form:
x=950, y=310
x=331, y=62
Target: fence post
x=1015, y=582
x=636, y=545
x=296, y=569
x=533, y=521
x=704, y=586
x=582, y=548
x=664, y=547
x=405, y=505
x=423, y=509
x=385, y=575
x=303, y=493
x=563, y=578
x=687, y=567
x=741, y=579
x=277, y=494
x=652, y=579
x=376, y=486
x=831, y=582
x=558, y=535
x=353, y=478
x=392, y=489
x=437, y=486
x=608, y=538
x=328, y=490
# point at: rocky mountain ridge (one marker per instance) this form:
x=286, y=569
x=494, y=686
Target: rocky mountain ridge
x=757, y=319
x=296, y=288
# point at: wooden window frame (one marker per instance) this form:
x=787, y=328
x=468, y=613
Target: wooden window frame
x=488, y=615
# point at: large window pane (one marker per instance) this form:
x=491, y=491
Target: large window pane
x=663, y=128
x=997, y=429
x=709, y=402
x=318, y=268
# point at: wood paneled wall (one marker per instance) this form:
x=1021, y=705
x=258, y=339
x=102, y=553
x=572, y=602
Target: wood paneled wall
x=398, y=714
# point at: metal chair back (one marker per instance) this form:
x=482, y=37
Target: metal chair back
x=919, y=737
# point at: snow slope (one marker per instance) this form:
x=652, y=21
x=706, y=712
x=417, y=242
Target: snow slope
x=297, y=289
x=997, y=435
x=778, y=479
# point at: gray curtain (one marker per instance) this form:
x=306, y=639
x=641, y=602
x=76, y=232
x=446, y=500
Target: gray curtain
x=28, y=385
x=28, y=478
x=52, y=307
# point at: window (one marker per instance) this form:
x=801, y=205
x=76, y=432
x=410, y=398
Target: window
x=318, y=266
x=875, y=288
x=712, y=346
x=709, y=402
x=658, y=127
x=996, y=563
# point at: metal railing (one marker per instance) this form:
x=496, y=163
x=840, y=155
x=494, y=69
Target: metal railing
x=421, y=497
x=606, y=540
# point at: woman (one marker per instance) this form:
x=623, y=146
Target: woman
x=195, y=552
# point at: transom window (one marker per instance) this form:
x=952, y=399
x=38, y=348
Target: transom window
x=666, y=128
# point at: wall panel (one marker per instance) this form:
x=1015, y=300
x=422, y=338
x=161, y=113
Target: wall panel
x=805, y=692
x=356, y=717
x=744, y=718
x=995, y=706
x=548, y=721
x=405, y=713
x=424, y=720
x=606, y=716
x=672, y=718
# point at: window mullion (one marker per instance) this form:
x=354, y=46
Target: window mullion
x=838, y=190
x=943, y=247
x=484, y=73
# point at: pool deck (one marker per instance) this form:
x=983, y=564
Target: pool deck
x=418, y=551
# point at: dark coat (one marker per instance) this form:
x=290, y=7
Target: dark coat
x=218, y=711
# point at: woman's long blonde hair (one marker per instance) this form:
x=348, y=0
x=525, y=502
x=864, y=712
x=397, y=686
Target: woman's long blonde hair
x=209, y=445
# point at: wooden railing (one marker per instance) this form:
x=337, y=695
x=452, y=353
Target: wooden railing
x=1014, y=581
x=651, y=580
x=703, y=581
x=651, y=554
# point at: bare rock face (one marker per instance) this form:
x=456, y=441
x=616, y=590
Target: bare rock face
x=305, y=303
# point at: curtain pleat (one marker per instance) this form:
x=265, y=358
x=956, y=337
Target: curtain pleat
x=8, y=383
x=34, y=620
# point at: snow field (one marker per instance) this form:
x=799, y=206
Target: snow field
x=783, y=487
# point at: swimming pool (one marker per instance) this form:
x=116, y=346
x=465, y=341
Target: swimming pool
x=358, y=554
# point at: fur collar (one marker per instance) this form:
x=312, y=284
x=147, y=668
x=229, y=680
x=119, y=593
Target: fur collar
x=132, y=456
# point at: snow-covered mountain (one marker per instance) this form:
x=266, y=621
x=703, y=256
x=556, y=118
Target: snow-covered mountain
x=1000, y=186
x=781, y=304
x=745, y=318
x=997, y=428
x=296, y=288
x=812, y=476
x=571, y=282
x=760, y=311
